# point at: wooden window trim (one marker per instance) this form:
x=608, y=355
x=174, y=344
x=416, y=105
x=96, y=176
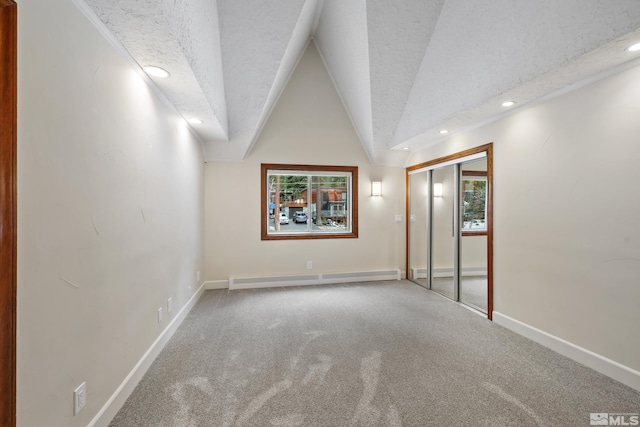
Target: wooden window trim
x=474, y=233
x=474, y=173
x=265, y=167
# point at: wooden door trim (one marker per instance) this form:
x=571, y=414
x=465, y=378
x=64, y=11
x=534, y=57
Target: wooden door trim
x=8, y=206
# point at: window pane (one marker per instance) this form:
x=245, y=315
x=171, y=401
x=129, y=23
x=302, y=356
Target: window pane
x=286, y=196
x=329, y=211
x=314, y=202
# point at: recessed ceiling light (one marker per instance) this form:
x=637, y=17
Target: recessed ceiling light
x=195, y=121
x=443, y=131
x=634, y=48
x=406, y=148
x=508, y=103
x=154, y=71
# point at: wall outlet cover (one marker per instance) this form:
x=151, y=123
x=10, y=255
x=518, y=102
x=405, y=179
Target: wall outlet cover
x=79, y=398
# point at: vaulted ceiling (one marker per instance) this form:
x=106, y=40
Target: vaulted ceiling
x=404, y=69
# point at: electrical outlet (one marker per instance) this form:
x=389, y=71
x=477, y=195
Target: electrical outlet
x=198, y=276
x=160, y=315
x=309, y=265
x=79, y=398
x=169, y=305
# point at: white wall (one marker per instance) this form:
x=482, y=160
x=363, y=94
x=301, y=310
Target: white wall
x=566, y=235
x=307, y=126
x=110, y=202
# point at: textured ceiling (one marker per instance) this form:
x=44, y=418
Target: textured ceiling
x=404, y=69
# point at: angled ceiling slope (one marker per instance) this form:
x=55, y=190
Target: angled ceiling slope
x=405, y=69
x=484, y=53
x=183, y=38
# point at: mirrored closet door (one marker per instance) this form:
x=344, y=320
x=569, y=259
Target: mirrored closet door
x=449, y=232
x=443, y=232
x=473, y=242
x=418, y=190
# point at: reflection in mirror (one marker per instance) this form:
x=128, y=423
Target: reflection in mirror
x=418, y=228
x=443, y=233
x=474, y=206
x=473, y=251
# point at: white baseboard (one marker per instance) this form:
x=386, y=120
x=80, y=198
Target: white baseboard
x=608, y=367
x=117, y=399
x=216, y=284
x=312, y=279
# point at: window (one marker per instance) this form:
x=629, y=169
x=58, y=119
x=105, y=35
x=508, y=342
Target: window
x=474, y=204
x=309, y=202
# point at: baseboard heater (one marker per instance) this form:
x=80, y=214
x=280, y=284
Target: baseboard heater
x=312, y=279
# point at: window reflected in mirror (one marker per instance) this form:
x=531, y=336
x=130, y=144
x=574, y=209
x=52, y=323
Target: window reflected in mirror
x=474, y=203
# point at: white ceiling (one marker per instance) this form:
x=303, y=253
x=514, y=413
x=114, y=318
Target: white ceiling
x=404, y=69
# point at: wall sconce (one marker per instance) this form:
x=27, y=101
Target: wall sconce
x=376, y=188
x=437, y=189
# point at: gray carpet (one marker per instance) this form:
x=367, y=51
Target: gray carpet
x=373, y=354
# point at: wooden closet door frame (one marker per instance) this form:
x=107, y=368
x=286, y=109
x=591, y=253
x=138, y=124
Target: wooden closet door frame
x=488, y=148
x=8, y=208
